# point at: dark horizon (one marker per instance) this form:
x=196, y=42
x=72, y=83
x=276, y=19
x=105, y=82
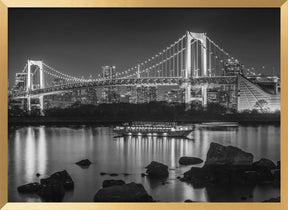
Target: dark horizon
x=79, y=41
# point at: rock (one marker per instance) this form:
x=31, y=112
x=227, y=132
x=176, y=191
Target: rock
x=103, y=173
x=29, y=188
x=189, y=160
x=277, y=199
x=142, y=174
x=64, y=178
x=188, y=201
x=84, y=163
x=227, y=155
x=250, y=177
x=278, y=164
x=37, y=175
x=264, y=164
x=52, y=190
x=131, y=192
x=220, y=175
x=178, y=177
x=113, y=174
x=276, y=176
x=157, y=170
x=126, y=174
x=232, y=166
x=198, y=177
x=112, y=182
x=264, y=176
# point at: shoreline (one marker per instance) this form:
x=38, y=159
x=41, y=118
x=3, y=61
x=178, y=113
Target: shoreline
x=18, y=121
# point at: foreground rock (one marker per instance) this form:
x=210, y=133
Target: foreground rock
x=278, y=164
x=232, y=166
x=157, y=170
x=190, y=160
x=264, y=164
x=112, y=182
x=277, y=199
x=227, y=155
x=84, y=163
x=29, y=188
x=52, y=188
x=131, y=192
x=64, y=178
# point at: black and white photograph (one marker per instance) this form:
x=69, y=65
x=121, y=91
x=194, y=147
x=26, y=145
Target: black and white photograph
x=144, y=105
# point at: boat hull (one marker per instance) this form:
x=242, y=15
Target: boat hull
x=175, y=134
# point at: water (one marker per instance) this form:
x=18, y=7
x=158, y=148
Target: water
x=45, y=150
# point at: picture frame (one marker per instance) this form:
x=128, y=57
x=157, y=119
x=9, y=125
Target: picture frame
x=4, y=7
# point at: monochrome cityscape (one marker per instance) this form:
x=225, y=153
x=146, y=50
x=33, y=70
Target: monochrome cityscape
x=118, y=105
x=227, y=86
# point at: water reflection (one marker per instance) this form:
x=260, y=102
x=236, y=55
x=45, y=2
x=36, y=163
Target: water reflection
x=30, y=152
x=45, y=150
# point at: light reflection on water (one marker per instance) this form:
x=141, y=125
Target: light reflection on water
x=45, y=150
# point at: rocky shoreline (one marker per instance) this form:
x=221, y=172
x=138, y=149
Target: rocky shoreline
x=232, y=166
x=224, y=166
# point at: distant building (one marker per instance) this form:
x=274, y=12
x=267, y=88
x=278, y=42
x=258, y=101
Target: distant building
x=85, y=96
x=233, y=67
x=92, y=96
x=20, y=81
x=109, y=94
x=129, y=96
x=174, y=96
x=108, y=72
x=146, y=94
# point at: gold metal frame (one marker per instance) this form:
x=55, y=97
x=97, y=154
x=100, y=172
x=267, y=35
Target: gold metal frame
x=5, y=4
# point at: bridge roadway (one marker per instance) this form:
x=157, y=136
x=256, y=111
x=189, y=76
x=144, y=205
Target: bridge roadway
x=160, y=81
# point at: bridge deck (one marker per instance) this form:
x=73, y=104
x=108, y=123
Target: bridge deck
x=160, y=81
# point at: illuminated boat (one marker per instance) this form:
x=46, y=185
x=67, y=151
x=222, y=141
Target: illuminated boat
x=165, y=129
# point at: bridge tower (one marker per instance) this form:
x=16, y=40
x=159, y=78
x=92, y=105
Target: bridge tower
x=190, y=36
x=30, y=82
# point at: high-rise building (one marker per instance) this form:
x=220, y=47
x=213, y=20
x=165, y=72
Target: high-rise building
x=20, y=81
x=108, y=71
x=109, y=94
x=146, y=94
x=233, y=67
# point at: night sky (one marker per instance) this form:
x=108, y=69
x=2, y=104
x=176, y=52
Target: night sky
x=79, y=41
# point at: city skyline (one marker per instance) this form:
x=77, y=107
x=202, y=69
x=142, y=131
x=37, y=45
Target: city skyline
x=83, y=41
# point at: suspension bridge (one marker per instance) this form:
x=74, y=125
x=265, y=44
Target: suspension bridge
x=192, y=60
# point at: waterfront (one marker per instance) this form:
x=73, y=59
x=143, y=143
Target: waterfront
x=45, y=150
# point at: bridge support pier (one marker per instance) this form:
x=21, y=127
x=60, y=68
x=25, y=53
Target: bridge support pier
x=187, y=75
x=204, y=96
x=41, y=105
x=187, y=95
x=29, y=104
x=188, y=70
